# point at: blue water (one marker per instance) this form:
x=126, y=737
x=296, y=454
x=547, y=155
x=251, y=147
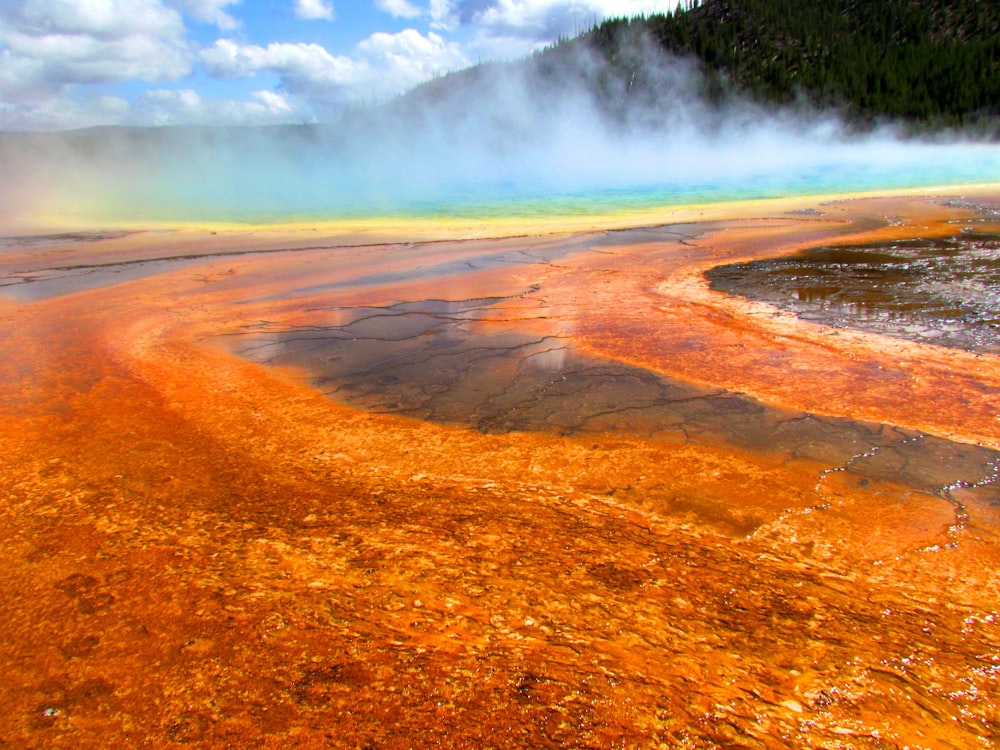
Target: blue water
x=317, y=183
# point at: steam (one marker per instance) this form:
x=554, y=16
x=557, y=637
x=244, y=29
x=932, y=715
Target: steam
x=502, y=139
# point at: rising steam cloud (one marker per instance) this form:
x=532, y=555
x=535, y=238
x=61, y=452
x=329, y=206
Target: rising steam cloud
x=493, y=139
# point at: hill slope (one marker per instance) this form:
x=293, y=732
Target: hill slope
x=912, y=59
x=928, y=64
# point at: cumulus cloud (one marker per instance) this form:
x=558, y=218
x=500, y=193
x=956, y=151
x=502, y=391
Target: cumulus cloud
x=48, y=45
x=506, y=29
x=314, y=10
x=209, y=11
x=187, y=107
x=409, y=58
x=399, y=8
x=101, y=18
x=540, y=21
x=57, y=55
x=440, y=13
x=62, y=113
x=300, y=65
x=382, y=65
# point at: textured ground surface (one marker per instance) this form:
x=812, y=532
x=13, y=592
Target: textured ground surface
x=547, y=491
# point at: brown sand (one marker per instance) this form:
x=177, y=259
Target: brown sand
x=203, y=551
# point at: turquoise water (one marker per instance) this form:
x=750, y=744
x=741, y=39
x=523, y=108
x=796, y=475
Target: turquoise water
x=263, y=181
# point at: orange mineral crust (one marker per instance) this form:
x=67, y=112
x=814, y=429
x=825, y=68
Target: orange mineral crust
x=527, y=492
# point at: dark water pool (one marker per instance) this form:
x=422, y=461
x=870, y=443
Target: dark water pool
x=940, y=291
x=431, y=360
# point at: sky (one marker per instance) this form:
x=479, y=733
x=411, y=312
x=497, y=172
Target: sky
x=67, y=64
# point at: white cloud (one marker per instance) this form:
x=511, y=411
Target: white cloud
x=504, y=29
x=441, y=14
x=103, y=18
x=382, y=65
x=274, y=102
x=53, y=52
x=541, y=20
x=49, y=45
x=154, y=107
x=209, y=11
x=314, y=10
x=62, y=113
x=187, y=107
x=297, y=63
x=399, y=8
x=409, y=58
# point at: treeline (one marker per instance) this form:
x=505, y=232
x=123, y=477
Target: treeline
x=927, y=63
x=924, y=64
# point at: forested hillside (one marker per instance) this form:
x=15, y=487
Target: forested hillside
x=913, y=59
x=927, y=64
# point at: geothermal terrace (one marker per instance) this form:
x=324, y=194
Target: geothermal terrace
x=435, y=485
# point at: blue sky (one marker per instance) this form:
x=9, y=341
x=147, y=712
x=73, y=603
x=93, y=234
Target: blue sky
x=78, y=63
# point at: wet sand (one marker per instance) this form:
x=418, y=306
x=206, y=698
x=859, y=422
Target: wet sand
x=317, y=488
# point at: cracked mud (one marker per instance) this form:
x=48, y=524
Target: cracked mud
x=306, y=490
x=425, y=360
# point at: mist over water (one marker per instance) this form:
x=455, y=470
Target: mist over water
x=497, y=143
